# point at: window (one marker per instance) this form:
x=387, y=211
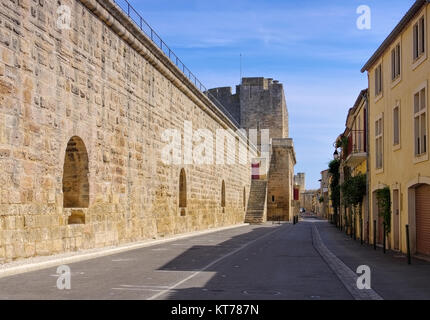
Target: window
x=396, y=126
x=378, y=80
x=420, y=122
x=419, y=38
x=379, y=147
x=395, y=62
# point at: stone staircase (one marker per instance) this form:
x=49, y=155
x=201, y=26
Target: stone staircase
x=256, y=211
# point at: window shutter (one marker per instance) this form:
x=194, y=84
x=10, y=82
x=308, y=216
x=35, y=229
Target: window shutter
x=422, y=36
x=376, y=82
x=415, y=41
x=396, y=126
x=399, y=61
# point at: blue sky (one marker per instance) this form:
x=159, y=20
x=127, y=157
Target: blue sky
x=313, y=47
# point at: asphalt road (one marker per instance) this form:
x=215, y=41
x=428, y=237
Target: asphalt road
x=268, y=262
x=252, y=262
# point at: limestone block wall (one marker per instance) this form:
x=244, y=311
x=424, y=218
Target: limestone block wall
x=230, y=101
x=280, y=198
x=300, y=180
x=263, y=106
x=82, y=113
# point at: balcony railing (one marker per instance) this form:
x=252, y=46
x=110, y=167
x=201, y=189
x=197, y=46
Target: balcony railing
x=128, y=9
x=357, y=143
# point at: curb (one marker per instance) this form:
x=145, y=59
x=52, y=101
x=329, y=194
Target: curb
x=53, y=262
x=341, y=270
x=420, y=257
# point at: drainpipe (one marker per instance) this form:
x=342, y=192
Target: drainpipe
x=366, y=98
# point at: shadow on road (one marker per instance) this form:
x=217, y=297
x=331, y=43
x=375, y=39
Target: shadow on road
x=282, y=266
x=199, y=256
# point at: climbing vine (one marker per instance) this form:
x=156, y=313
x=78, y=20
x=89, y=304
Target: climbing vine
x=354, y=190
x=344, y=142
x=384, y=201
x=334, y=184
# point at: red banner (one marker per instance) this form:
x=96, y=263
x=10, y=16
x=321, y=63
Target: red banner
x=296, y=194
x=255, y=171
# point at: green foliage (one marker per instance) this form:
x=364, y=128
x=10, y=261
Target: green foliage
x=354, y=190
x=335, y=197
x=334, y=185
x=344, y=143
x=321, y=199
x=384, y=202
x=333, y=168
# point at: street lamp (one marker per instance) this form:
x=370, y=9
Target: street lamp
x=336, y=155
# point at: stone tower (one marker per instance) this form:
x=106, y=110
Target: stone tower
x=263, y=106
x=259, y=103
x=299, y=180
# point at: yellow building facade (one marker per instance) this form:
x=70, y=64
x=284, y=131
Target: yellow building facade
x=399, y=79
x=354, y=160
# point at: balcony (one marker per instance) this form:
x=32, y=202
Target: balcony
x=356, y=151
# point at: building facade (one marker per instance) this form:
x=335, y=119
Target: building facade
x=324, y=194
x=309, y=200
x=353, y=162
x=300, y=186
x=399, y=74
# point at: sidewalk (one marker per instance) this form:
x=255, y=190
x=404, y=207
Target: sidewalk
x=392, y=277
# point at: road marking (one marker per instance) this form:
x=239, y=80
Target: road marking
x=210, y=265
x=125, y=287
x=314, y=221
x=342, y=271
x=137, y=289
x=143, y=286
x=123, y=260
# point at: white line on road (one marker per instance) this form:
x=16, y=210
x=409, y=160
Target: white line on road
x=137, y=289
x=123, y=260
x=210, y=265
x=144, y=286
x=314, y=221
x=126, y=287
